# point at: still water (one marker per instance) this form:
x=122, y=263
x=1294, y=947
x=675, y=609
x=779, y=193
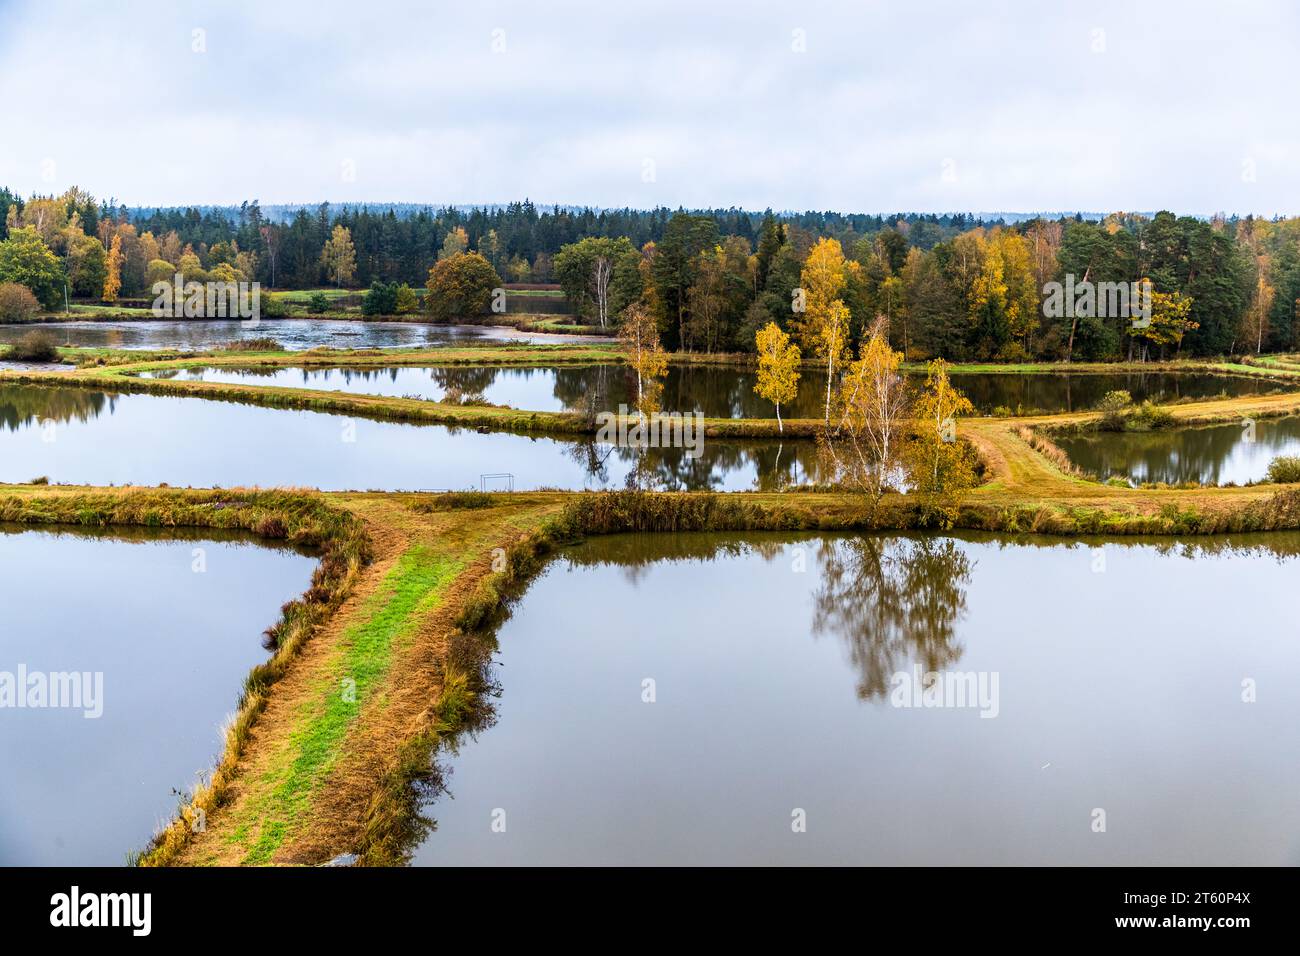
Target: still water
x=1214, y=455
x=293, y=334
x=86, y=437
x=173, y=646
x=687, y=699
x=717, y=392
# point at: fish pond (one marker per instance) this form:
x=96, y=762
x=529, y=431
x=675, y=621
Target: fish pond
x=713, y=699
x=716, y=391
x=144, y=640
x=1235, y=453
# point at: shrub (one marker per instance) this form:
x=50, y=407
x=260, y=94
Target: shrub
x=17, y=304
x=34, y=347
x=1147, y=416
x=318, y=302
x=1284, y=469
x=1112, y=406
x=406, y=300
x=273, y=307
x=381, y=299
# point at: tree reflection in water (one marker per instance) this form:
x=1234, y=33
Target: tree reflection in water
x=892, y=600
x=22, y=405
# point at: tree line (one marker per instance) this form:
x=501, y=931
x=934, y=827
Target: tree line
x=948, y=286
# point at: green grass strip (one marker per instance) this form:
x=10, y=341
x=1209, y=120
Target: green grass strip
x=417, y=583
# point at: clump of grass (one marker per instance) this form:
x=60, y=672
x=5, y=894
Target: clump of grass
x=263, y=343
x=454, y=501
x=34, y=347
x=1284, y=469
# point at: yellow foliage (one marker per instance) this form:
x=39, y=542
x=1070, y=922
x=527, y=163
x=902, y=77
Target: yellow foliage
x=113, y=281
x=778, y=367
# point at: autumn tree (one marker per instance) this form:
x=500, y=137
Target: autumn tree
x=639, y=336
x=113, y=274
x=461, y=285
x=27, y=260
x=17, y=304
x=778, y=368
x=1169, y=319
x=339, y=256
x=863, y=445
x=939, y=465
x=454, y=243
x=1004, y=302
x=822, y=326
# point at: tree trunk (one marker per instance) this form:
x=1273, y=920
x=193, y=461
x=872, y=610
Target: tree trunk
x=830, y=369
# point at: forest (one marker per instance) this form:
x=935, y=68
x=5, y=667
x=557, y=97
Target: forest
x=952, y=286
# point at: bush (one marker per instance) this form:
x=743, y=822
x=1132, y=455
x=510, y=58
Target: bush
x=17, y=304
x=381, y=299
x=273, y=307
x=34, y=347
x=1284, y=469
x=406, y=300
x=318, y=302
x=1147, y=416
x=1112, y=406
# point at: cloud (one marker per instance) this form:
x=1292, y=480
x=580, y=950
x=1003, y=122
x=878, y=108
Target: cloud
x=837, y=104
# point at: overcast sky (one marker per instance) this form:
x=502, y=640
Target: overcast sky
x=856, y=106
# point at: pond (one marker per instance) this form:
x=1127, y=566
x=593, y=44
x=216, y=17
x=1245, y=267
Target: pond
x=767, y=711
x=716, y=391
x=168, y=627
x=293, y=334
x=1235, y=453
x=81, y=436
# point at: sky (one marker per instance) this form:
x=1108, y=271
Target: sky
x=879, y=106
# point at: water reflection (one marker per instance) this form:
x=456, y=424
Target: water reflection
x=21, y=406
x=717, y=392
x=92, y=437
x=892, y=600
x=1134, y=705
x=1214, y=455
